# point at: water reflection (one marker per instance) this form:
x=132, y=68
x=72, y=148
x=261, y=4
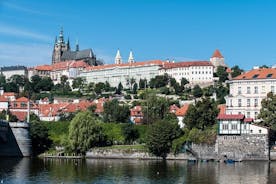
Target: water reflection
x=133, y=171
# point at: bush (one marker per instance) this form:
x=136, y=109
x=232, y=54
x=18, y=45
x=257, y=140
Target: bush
x=130, y=133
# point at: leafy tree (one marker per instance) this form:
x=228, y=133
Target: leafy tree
x=236, y=71
x=99, y=87
x=107, y=86
x=35, y=83
x=113, y=112
x=135, y=87
x=159, y=81
x=2, y=80
x=85, y=132
x=197, y=91
x=160, y=136
x=119, y=89
x=132, y=82
x=78, y=83
x=142, y=83
x=264, y=66
x=268, y=111
x=18, y=79
x=46, y=84
x=201, y=115
x=40, y=137
x=221, y=92
x=222, y=74
x=130, y=133
x=184, y=81
x=155, y=108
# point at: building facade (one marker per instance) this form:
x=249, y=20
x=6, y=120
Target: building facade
x=248, y=90
x=9, y=71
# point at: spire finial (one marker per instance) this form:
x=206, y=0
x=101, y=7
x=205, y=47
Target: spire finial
x=61, y=35
x=131, y=58
x=118, y=58
x=77, y=45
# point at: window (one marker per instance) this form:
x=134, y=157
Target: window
x=234, y=127
x=260, y=131
x=256, y=89
x=248, y=90
x=239, y=102
x=255, y=76
x=248, y=114
x=225, y=126
x=269, y=75
x=256, y=115
x=231, y=105
x=255, y=102
x=23, y=104
x=248, y=102
x=244, y=126
x=239, y=90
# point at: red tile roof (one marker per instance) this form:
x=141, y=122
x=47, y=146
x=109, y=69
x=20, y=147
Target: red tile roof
x=47, y=110
x=136, y=111
x=21, y=116
x=22, y=99
x=183, y=110
x=262, y=73
x=145, y=63
x=44, y=67
x=222, y=109
x=3, y=99
x=230, y=117
x=186, y=64
x=8, y=94
x=69, y=64
x=173, y=108
x=217, y=54
x=248, y=120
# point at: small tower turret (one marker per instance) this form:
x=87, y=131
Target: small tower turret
x=118, y=58
x=130, y=58
x=77, y=45
x=217, y=60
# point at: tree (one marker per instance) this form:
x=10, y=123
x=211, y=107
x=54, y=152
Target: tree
x=78, y=83
x=40, y=137
x=119, y=89
x=2, y=80
x=159, y=81
x=142, y=83
x=85, y=132
x=184, y=81
x=130, y=133
x=46, y=84
x=135, y=87
x=160, y=136
x=132, y=81
x=236, y=71
x=114, y=112
x=197, y=91
x=222, y=74
x=201, y=115
x=268, y=111
x=99, y=87
x=155, y=108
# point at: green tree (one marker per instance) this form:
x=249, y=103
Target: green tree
x=142, y=83
x=2, y=80
x=201, y=115
x=222, y=74
x=78, y=83
x=119, y=89
x=46, y=84
x=85, y=132
x=114, y=112
x=155, y=108
x=197, y=91
x=99, y=87
x=40, y=137
x=184, y=81
x=130, y=133
x=135, y=88
x=236, y=71
x=160, y=136
x=159, y=81
x=268, y=111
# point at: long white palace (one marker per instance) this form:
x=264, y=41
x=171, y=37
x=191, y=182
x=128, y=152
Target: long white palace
x=196, y=72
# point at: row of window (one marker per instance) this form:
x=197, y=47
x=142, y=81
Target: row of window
x=255, y=89
x=248, y=102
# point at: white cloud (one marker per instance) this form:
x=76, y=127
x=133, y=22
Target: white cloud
x=27, y=54
x=18, y=32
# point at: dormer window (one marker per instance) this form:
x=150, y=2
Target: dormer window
x=269, y=75
x=255, y=76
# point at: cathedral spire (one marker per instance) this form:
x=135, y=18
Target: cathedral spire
x=130, y=58
x=118, y=58
x=68, y=44
x=61, y=40
x=77, y=45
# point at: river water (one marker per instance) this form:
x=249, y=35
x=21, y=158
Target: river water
x=133, y=171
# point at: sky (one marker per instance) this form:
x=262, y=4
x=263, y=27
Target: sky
x=181, y=30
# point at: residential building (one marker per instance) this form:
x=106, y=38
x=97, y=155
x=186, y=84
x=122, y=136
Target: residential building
x=196, y=72
x=237, y=124
x=9, y=71
x=248, y=90
x=181, y=113
x=136, y=115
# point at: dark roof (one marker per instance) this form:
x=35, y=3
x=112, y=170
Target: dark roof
x=77, y=55
x=10, y=68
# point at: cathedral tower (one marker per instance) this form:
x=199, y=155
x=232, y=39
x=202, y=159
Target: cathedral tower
x=130, y=58
x=59, y=47
x=118, y=58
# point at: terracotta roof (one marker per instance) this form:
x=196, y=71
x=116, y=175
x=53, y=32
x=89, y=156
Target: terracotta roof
x=145, y=63
x=136, y=111
x=22, y=99
x=69, y=64
x=3, y=99
x=228, y=70
x=217, y=54
x=262, y=73
x=8, y=94
x=173, y=108
x=73, y=107
x=44, y=68
x=183, y=110
x=230, y=117
x=46, y=110
x=248, y=120
x=21, y=116
x=222, y=109
x=186, y=64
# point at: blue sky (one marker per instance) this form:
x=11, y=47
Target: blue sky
x=243, y=30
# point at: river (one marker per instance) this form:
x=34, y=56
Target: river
x=100, y=171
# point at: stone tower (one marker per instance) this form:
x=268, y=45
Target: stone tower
x=217, y=60
x=59, y=47
x=130, y=58
x=118, y=58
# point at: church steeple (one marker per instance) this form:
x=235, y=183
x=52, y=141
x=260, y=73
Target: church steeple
x=130, y=58
x=77, y=45
x=61, y=40
x=68, y=44
x=118, y=58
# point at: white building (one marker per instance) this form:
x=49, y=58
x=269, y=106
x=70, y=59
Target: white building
x=237, y=124
x=13, y=70
x=196, y=72
x=247, y=91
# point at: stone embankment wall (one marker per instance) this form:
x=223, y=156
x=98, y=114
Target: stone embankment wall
x=128, y=154
x=236, y=147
